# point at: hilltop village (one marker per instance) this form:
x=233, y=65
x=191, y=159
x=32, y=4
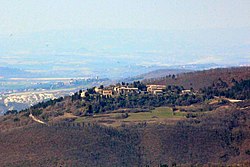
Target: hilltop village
x=128, y=89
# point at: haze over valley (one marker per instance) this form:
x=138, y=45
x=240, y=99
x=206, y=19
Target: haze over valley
x=121, y=53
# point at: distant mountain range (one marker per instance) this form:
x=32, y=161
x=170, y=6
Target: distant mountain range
x=122, y=53
x=173, y=70
x=133, y=72
x=7, y=72
x=161, y=71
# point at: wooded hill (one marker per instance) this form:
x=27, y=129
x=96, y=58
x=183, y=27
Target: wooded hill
x=201, y=79
x=213, y=131
x=221, y=137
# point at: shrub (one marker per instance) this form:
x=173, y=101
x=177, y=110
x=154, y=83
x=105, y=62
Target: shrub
x=11, y=112
x=247, y=152
x=191, y=115
x=16, y=119
x=37, y=112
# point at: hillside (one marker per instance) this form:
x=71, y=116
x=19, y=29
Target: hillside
x=221, y=137
x=163, y=73
x=201, y=79
x=137, y=128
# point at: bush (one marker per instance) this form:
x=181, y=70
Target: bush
x=125, y=115
x=191, y=115
x=16, y=119
x=37, y=112
x=247, y=152
x=11, y=112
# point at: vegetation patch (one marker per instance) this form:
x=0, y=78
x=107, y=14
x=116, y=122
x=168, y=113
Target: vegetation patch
x=160, y=112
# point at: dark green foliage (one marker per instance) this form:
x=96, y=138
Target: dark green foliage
x=239, y=90
x=16, y=119
x=47, y=103
x=37, y=112
x=191, y=115
x=91, y=90
x=139, y=85
x=163, y=165
x=89, y=110
x=11, y=112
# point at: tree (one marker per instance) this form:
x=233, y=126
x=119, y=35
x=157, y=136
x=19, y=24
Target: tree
x=37, y=112
x=79, y=94
x=11, y=112
x=90, y=110
x=91, y=90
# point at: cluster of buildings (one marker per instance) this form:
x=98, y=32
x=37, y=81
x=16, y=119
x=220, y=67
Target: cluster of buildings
x=156, y=89
x=125, y=90
x=27, y=98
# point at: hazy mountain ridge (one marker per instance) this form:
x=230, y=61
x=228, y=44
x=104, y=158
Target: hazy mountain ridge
x=122, y=52
x=178, y=69
x=163, y=72
x=8, y=72
x=155, y=72
x=205, y=78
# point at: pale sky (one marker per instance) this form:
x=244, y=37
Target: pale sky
x=19, y=16
x=88, y=35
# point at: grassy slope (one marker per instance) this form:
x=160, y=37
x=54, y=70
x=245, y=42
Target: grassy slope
x=158, y=115
x=160, y=112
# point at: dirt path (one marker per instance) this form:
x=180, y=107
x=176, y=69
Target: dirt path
x=36, y=120
x=231, y=100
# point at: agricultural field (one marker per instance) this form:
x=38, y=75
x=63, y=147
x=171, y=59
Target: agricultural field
x=161, y=115
x=157, y=113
